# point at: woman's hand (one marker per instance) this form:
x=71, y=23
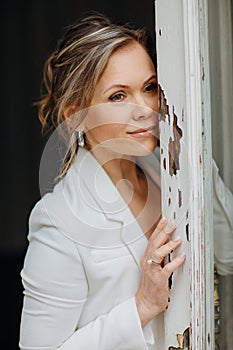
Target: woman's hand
x=153, y=293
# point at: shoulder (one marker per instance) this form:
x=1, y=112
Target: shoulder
x=54, y=208
x=223, y=198
x=70, y=211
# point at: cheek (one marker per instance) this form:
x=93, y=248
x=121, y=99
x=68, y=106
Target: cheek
x=106, y=121
x=106, y=132
x=153, y=102
x=108, y=114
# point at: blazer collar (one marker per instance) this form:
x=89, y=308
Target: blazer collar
x=88, y=180
x=106, y=197
x=100, y=186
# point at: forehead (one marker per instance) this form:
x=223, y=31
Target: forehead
x=131, y=60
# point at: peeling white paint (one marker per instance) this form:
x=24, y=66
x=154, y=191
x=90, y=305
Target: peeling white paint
x=181, y=48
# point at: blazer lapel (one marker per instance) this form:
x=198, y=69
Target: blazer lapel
x=100, y=186
x=132, y=234
x=108, y=199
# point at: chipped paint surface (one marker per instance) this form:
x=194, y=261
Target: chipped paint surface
x=177, y=133
x=183, y=99
x=174, y=147
x=179, y=197
x=163, y=106
x=183, y=341
x=176, y=197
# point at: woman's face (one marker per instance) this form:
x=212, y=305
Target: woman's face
x=123, y=115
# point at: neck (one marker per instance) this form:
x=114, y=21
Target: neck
x=117, y=166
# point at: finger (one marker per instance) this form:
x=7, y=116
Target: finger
x=162, y=223
x=170, y=267
x=160, y=253
x=160, y=236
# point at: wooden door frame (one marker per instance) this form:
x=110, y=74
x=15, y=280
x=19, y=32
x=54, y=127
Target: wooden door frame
x=194, y=67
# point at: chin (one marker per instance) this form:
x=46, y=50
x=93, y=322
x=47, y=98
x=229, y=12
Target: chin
x=132, y=148
x=147, y=148
x=143, y=152
x=136, y=150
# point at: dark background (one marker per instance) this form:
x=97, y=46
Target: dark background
x=29, y=31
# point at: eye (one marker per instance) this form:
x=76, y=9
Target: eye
x=152, y=87
x=119, y=96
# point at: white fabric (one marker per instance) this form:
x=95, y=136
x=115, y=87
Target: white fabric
x=223, y=224
x=82, y=267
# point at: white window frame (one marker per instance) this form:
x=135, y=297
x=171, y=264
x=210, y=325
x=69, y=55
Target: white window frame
x=183, y=73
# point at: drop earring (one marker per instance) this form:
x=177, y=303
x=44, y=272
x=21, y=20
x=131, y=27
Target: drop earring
x=80, y=138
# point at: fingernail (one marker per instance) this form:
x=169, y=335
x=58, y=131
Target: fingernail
x=177, y=239
x=182, y=255
x=163, y=220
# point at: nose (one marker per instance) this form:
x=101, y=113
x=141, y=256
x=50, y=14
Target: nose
x=141, y=112
x=142, y=106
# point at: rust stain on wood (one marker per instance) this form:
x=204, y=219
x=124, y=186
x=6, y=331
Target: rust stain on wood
x=163, y=106
x=174, y=143
x=183, y=341
x=174, y=148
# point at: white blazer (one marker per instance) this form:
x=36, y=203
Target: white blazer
x=82, y=267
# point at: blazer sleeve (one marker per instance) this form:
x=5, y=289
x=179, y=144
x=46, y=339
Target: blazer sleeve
x=55, y=292
x=223, y=224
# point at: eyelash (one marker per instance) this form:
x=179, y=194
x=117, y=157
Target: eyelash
x=153, y=85
x=120, y=95
x=112, y=97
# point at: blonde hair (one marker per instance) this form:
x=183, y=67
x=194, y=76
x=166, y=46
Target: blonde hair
x=75, y=66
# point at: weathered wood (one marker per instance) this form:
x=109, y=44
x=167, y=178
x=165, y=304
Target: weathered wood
x=185, y=145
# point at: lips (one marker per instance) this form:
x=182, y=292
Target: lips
x=142, y=131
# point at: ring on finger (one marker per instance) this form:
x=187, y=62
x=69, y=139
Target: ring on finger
x=151, y=261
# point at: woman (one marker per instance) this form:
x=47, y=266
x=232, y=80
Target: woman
x=95, y=275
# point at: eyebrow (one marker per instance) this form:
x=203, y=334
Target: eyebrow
x=123, y=86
